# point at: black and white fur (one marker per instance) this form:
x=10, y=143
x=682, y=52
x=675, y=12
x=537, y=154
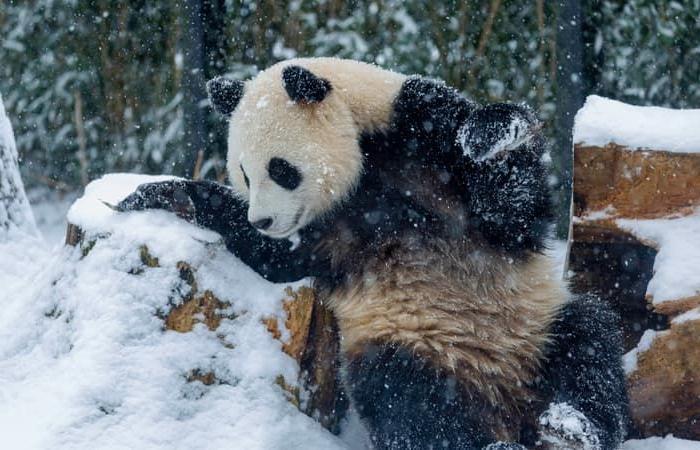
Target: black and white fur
x=422, y=217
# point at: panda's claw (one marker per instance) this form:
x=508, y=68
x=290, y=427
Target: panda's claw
x=111, y=206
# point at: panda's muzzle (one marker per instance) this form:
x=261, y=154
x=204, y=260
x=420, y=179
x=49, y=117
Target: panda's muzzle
x=262, y=224
x=282, y=234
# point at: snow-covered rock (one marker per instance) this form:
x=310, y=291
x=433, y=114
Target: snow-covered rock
x=87, y=361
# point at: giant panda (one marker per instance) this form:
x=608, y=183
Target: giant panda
x=422, y=217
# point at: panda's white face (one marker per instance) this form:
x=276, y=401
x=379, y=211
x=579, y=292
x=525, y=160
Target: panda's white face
x=274, y=208
x=293, y=145
x=292, y=161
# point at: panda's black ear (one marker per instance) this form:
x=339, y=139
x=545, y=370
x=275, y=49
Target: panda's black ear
x=224, y=94
x=303, y=86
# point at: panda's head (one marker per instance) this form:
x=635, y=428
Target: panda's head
x=293, y=145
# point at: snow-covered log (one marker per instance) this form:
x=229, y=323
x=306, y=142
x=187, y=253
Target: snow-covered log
x=15, y=212
x=146, y=332
x=662, y=378
x=636, y=242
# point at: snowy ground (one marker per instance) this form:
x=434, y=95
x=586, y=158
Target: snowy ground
x=50, y=209
x=85, y=364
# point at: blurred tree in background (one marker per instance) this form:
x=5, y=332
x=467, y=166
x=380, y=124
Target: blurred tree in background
x=95, y=86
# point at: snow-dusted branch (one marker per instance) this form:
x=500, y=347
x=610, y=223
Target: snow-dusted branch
x=15, y=212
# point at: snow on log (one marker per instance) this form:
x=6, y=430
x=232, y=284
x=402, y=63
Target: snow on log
x=635, y=241
x=145, y=332
x=15, y=212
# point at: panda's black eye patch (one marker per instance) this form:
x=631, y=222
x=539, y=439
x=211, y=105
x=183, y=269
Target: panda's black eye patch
x=284, y=174
x=245, y=177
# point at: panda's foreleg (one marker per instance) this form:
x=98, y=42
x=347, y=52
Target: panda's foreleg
x=506, y=185
x=216, y=207
x=407, y=404
x=589, y=403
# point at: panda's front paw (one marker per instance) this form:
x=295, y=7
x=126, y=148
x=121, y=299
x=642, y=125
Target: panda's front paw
x=496, y=129
x=564, y=427
x=167, y=195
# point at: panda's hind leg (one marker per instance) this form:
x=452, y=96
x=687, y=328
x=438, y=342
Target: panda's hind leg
x=584, y=372
x=408, y=404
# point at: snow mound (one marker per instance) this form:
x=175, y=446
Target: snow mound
x=658, y=443
x=86, y=362
x=603, y=121
x=676, y=275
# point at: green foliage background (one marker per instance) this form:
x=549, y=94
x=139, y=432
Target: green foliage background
x=94, y=86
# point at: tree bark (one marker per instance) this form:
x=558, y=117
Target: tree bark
x=193, y=80
x=570, y=94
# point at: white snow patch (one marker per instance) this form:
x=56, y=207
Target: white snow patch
x=602, y=214
x=353, y=432
x=676, y=265
x=519, y=132
x=602, y=121
x=659, y=443
x=629, y=360
x=693, y=314
x=90, y=211
x=565, y=425
x=86, y=364
x=50, y=208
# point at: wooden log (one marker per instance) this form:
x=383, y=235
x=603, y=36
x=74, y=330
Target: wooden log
x=612, y=182
x=664, y=389
x=633, y=183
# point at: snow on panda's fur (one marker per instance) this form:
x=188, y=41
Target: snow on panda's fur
x=422, y=217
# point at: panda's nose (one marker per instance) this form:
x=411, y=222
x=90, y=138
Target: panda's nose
x=262, y=224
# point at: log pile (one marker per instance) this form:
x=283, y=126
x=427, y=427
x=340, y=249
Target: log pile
x=616, y=187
